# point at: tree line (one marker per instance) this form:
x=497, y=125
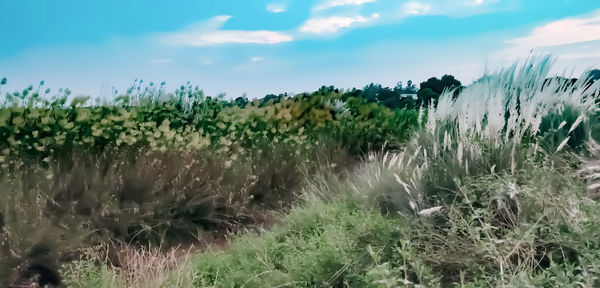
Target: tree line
x=398, y=97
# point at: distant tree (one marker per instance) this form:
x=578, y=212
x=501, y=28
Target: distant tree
x=354, y=93
x=400, y=102
x=426, y=95
x=326, y=90
x=398, y=86
x=371, y=92
x=270, y=99
x=431, y=89
x=241, y=101
x=449, y=82
x=407, y=103
x=410, y=87
x=387, y=94
x=438, y=85
x=434, y=84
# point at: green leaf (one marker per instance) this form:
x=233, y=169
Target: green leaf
x=4, y=116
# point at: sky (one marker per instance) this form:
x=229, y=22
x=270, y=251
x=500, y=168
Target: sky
x=259, y=47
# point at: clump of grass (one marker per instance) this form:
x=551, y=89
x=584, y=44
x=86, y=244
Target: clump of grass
x=492, y=184
x=495, y=125
x=321, y=244
x=590, y=170
x=489, y=193
x=492, y=192
x=139, y=267
x=154, y=198
x=87, y=273
x=28, y=239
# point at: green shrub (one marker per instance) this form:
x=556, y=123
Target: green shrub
x=323, y=245
x=152, y=167
x=492, y=184
x=37, y=127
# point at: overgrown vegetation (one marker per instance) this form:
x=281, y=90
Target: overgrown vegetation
x=161, y=169
x=495, y=187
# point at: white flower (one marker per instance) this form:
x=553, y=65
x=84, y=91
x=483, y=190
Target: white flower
x=429, y=211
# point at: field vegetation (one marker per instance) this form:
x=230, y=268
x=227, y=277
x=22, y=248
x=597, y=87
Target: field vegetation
x=492, y=184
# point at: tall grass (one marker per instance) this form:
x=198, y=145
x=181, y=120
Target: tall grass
x=123, y=197
x=492, y=182
x=493, y=191
x=498, y=124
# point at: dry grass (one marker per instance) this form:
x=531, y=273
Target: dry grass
x=137, y=267
x=157, y=198
x=150, y=267
x=590, y=170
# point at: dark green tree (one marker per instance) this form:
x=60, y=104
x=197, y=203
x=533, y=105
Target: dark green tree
x=426, y=95
x=241, y=101
x=431, y=89
x=371, y=92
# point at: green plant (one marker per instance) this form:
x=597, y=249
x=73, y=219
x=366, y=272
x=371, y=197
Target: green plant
x=317, y=245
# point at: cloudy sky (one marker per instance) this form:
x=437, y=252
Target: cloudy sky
x=259, y=47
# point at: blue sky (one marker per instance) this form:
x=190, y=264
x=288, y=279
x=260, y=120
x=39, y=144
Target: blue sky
x=259, y=47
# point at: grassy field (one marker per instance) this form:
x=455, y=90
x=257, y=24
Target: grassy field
x=493, y=187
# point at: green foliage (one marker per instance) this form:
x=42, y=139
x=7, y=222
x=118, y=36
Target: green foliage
x=158, y=198
x=161, y=169
x=321, y=245
x=495, y=189
x=84, y=274
x=489, y=194
x=36, y=128
x=493, y=186
x=431, y=89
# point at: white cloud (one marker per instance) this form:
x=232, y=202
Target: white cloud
x=416, y=8
x=209, y=33
x=336, y=3
x=454, y=8
x=256, y=59
x=240, y=37
x=333, y=24
x=276, y=8
x=479, y=2
x=558, y=33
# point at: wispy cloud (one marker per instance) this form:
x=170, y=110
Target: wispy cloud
x=333, y=24
x=475, y=2
x=276, y=7
x=210, y=33
x=479, y=2
x=256, y=59
x=336, y=3
x=558, y=33
x=416, y=8
x=454, y=8
x=324, y=22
